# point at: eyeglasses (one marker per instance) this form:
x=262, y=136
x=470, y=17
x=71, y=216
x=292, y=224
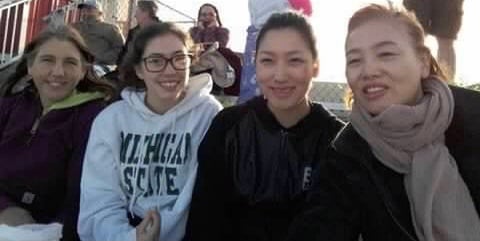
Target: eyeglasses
x=158, y=63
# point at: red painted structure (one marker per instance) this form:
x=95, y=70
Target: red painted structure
x=8, y=31
x=17, y=30
x=38, y=10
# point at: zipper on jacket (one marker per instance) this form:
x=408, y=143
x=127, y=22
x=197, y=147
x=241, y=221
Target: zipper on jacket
x=284, y=135
x=33, y=130
x=387, y=206
x=397, y=222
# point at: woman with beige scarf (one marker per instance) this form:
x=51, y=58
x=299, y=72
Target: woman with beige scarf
x=408, y=165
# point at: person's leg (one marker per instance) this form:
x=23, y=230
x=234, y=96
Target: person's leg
x=446, y=55
x=422, y=10
x=445, y=25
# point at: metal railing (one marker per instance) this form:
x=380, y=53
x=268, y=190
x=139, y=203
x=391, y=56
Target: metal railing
x=190, y=18
x=14, y=25
x=62, y=15
x=13, y=16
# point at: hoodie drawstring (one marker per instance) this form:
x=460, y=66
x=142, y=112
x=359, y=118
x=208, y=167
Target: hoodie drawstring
x=134, y=197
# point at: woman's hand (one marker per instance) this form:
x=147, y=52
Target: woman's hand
x=14, y=216
x=149, y=228
x=213, y=24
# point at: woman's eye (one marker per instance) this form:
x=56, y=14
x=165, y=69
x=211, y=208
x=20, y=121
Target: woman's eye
x=297, y=60
x=180, y=58
x=73, y=63
x=353, y=61
x=155, y=61
x=265, y=60
x=386, y=54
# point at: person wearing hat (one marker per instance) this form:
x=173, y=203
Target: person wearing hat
x=103, y=39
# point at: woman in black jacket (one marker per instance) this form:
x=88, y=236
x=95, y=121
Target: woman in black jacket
x=257, y=159
x=407, y=167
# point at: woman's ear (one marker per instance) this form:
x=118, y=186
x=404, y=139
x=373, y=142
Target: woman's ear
x=316, y=68
x=426, y=60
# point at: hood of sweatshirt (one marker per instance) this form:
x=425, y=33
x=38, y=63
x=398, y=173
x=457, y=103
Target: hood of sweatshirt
x=154, y=157
x=197, y=91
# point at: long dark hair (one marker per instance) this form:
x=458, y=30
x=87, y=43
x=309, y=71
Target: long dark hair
x=128, y=75
x=214, y=9
x=90, y=83
x=291, y=20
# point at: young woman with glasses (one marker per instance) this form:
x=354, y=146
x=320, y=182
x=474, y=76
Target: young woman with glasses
x=140, y=163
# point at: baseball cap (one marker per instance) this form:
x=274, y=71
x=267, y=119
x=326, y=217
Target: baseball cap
x=90, y=4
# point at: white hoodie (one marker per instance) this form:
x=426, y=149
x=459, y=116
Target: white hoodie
x=128, y=131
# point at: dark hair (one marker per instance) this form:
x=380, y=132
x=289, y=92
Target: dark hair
x=91, y=82
x=214, y=9
x=414, y=29
x=292, y=20
x=133, y=58
x=148, y=6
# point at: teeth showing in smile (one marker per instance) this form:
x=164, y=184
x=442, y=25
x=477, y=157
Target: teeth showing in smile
x=282, y=91
x=375, y=89
x=54, y=84
x=168, y=84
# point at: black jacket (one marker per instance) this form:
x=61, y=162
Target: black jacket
x=129, y=41
x=253, y=173
x=356, y=194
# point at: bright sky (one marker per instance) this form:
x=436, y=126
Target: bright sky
x=330, y=21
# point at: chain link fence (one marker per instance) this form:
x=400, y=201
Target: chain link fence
x=331, y=95
x=119, y=12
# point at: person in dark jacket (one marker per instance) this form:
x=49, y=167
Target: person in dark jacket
x=145, y=14
x=44, y=130
x=407, y=167
x=257, y=159
x=209, y=27
x=103, y=39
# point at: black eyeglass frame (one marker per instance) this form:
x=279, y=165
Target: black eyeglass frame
x=167, y=60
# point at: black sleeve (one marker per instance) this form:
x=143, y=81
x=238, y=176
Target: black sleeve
x=124, y=50
x=330, y=212
x=209, y=218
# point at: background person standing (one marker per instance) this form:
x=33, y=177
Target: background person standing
x=442, y=19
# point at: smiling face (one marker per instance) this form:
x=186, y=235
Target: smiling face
x=207, y=16
x=56, y=70
x=285, y=67
x=383, y=68
x=165, y=87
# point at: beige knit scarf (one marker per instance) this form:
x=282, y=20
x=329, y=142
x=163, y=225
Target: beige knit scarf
x=410, y=140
